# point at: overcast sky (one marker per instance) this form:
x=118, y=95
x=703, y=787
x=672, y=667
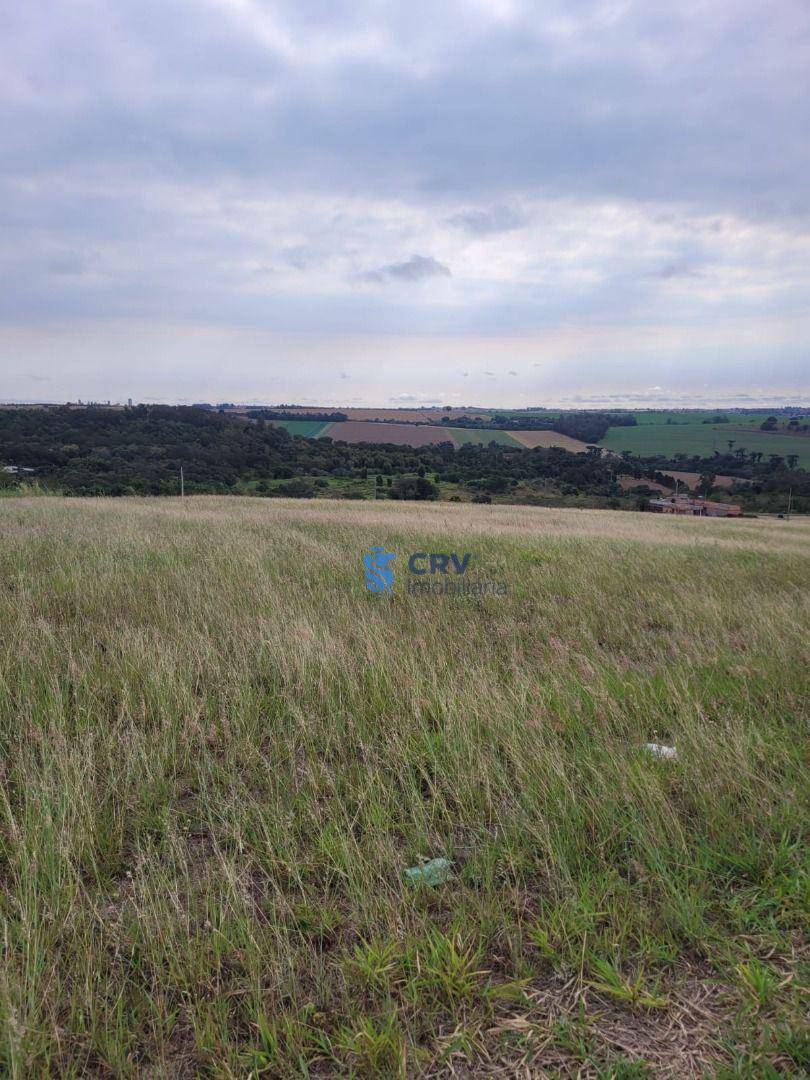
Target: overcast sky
x=369, y=202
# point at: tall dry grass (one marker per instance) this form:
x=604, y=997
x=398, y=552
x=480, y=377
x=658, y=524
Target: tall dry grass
x=220, y=752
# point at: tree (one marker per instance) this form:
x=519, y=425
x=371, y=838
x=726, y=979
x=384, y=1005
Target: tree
x=706, y=484
x=419, y=489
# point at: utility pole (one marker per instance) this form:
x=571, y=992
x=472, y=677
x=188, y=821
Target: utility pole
x=182, y=484
x=790, y=502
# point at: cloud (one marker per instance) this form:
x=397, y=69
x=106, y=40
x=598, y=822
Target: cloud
x=488, y=222
x=68, y=264
x=511, y=373
x=678, y=270
x=415, y=399
x=589, y=171
x=417, y=268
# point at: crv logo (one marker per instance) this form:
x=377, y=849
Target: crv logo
x=436, y=563
x=435, y=573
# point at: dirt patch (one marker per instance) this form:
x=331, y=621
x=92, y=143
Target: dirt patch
x=531, y=439
x=692, y=479
x=627, y=483
x=682, y=1041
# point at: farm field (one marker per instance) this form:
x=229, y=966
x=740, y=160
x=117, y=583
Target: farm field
x=703, y=439
x=686, y=433
x=464, y=436
x=358, y=431
x=532, y=439
x=309, y=429
x=221, y=753
x=696, y=416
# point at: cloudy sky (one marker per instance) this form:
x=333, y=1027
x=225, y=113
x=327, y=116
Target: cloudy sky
x=370, y=202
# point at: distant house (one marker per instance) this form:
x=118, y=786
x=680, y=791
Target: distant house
x=693, y=506
x=16, y=470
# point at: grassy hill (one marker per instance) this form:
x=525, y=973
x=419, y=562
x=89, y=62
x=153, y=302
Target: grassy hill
x=221, y=752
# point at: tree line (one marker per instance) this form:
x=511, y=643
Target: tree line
x=140, y=450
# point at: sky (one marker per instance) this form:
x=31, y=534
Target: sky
x=478, y=202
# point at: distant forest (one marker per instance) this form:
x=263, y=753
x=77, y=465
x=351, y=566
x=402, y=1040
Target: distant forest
x=588, y=427
x=140, y=450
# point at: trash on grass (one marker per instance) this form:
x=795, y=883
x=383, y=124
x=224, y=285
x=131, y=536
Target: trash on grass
x=433, y=872
x=661, y=751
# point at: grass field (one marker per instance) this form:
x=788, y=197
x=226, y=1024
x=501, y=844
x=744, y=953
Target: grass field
x=219, y=753
x=696, y=416
x=703, y=439
x=310, y=429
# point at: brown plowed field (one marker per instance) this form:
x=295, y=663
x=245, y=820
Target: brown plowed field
x=531, y=439
x=361, y=431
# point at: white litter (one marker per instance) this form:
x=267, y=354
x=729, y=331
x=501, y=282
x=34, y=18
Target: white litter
x=661, y=751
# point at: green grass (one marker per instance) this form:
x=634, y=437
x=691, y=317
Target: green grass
x=703, y=439
x=219, y=753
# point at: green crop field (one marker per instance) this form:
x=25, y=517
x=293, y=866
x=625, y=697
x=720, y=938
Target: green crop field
x=697, y=416
x=220, y=753
x=704, y=439
x=310, y=429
